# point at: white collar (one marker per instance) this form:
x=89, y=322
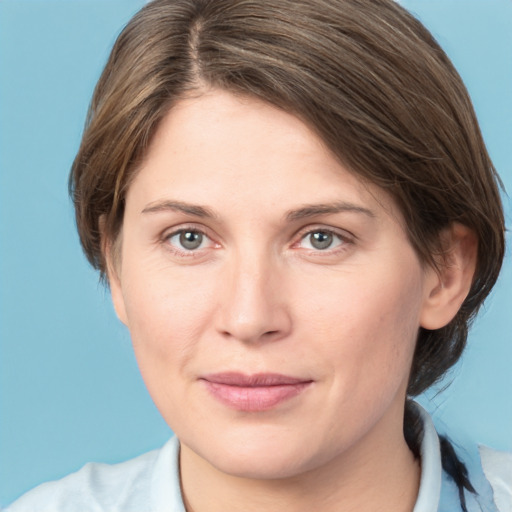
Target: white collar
x=166, y=489
x=431, y=468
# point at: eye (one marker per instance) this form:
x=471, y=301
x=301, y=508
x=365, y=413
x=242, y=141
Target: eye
x=188, y=240
x=321, y=240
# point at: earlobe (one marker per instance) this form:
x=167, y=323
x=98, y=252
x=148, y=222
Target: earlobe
x=447, y=288
x=112, y=261
x=117, y=295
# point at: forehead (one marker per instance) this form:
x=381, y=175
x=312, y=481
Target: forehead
x=241, y=150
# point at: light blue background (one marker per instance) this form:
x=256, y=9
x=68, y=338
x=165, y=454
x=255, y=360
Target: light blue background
x=70, y=391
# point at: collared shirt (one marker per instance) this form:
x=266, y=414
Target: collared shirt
x=151, y=483
x=438, y=492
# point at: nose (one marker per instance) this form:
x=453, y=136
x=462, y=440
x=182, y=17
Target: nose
x=253, y=306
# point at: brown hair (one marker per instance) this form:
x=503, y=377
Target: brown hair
x=364, y=74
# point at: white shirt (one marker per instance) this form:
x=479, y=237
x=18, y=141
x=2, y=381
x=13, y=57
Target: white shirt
x=151, y=483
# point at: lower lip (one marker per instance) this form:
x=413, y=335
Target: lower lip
x=254, y=399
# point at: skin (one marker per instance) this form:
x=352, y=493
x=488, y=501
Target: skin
x=258, y=296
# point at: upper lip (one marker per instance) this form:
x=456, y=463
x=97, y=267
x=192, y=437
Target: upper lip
x=255, y=380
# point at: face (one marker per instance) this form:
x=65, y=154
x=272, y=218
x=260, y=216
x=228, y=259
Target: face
x=273, y=299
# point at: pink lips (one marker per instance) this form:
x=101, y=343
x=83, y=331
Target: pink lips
x=252, y=393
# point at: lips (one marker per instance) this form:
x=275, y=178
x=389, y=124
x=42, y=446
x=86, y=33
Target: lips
x=253, y=393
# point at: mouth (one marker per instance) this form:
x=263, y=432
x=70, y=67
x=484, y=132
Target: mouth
x=254, y=393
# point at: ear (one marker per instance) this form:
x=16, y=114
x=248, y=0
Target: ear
x=448, y=287
x=116, y=291
x=112, y=253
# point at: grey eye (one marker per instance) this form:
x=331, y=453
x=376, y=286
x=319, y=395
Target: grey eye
x=191, y=240
x=321, y=239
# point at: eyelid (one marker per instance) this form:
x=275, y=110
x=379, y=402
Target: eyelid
x=346, y=238
x=341, y=233
x=186, y=226
x=168, y=233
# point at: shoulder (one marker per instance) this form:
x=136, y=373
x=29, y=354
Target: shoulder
x=497, y=467
x=490, y=473
x=133, y=485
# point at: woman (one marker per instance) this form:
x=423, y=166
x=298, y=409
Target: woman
x=297, y=218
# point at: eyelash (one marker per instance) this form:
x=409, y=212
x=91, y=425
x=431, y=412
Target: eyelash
x=345, y=240
x=184, y=252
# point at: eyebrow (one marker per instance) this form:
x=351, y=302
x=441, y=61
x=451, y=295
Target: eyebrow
x=303, y=212
x=179, y=206
x=326, y=209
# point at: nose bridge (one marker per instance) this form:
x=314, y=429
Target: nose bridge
x=254, y=307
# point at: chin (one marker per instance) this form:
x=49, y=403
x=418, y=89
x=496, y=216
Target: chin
x=261, y=457
x=262, y=466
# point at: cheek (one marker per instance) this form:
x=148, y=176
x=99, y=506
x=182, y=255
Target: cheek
x=167, y=312
x=367, y=325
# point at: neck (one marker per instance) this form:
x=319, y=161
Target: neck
x=380, y=473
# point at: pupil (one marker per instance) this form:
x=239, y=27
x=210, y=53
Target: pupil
x=321, y=240
x=191, y=239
